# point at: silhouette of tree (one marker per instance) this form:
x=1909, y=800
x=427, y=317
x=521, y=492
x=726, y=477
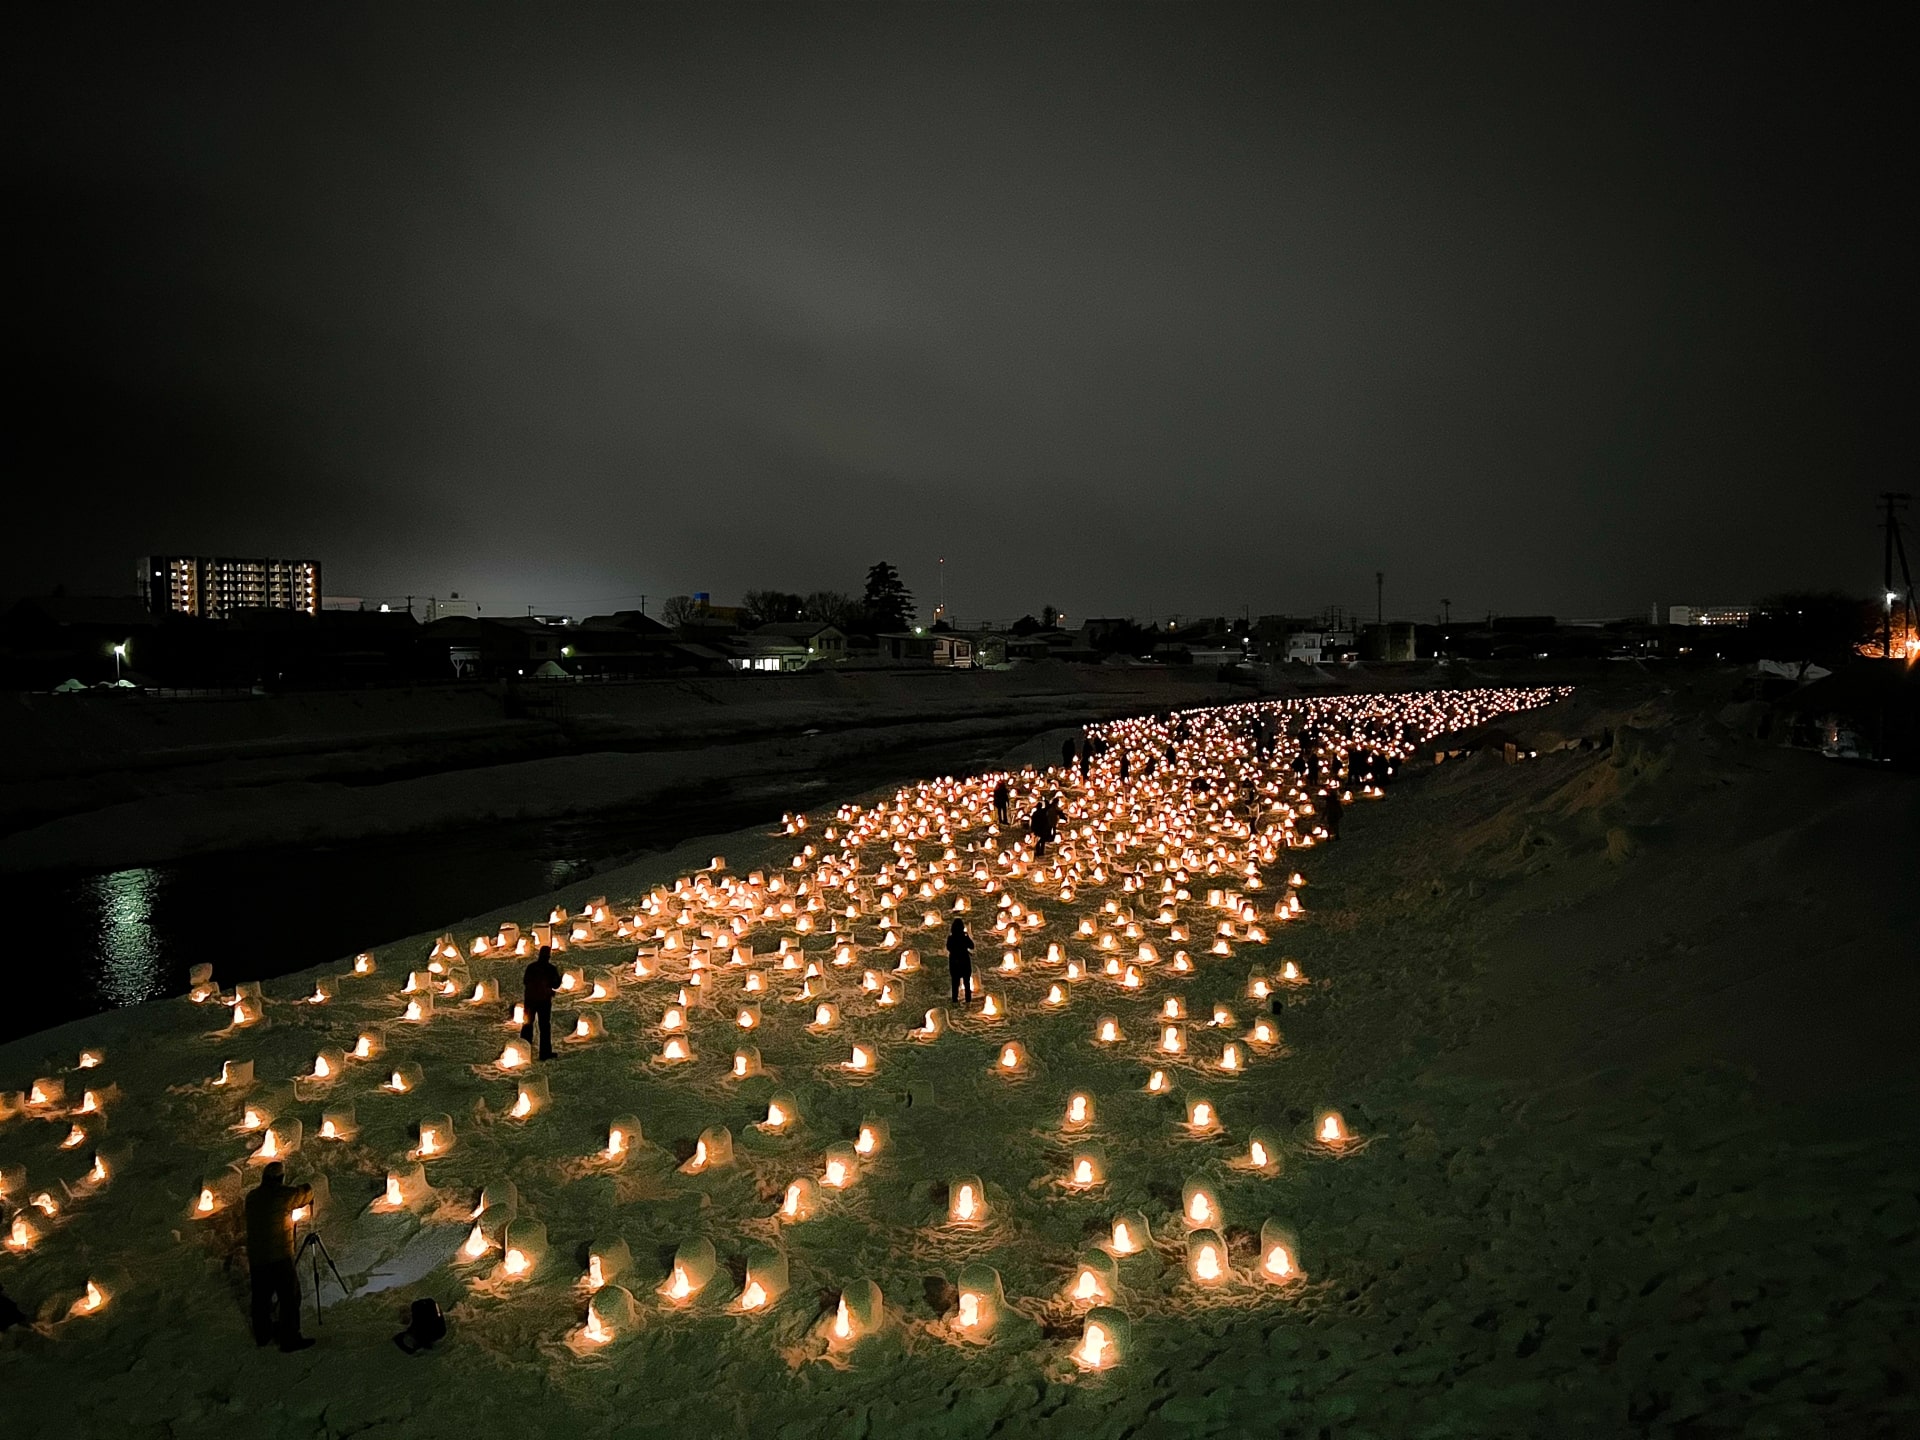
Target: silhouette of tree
x=889, y=604
x=678, y=610
x=771, y=607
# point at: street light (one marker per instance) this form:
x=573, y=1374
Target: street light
x=119, y=654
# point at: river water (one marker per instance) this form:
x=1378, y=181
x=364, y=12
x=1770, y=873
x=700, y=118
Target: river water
x=111, y=938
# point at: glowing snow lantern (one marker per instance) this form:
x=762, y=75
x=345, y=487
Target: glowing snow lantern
x=1279, y=1255
x=278, y=1140
x=981, y=1299
x=966, y=1201
x=1106, y=1031
x=1086, y=1166
x=92, y=1301
x=1199, y=1205
x=1158, y=1083
x=1330, y=1129
x=782, y=1111
x=694, y=1264
x=860, y=1313
x=799, y=1200
x=406, y=1188
x=97, y=1175
x=523, y=1246
x=872, y=1138
x=1057, y=993
x=611, y=1312
x=1203, y=1117
x=586, y=1026
x=436, y=1137
x=767, y=1279
x=842, y=1167
x=713, y=1149
x=1258, y=986
x=622, y=1135
x=1173, y=1039
x=746, y=1061
x=419, y=1010
x=403, y=1078
x=1104, y=1340
x=45, y=1093
x=365, y=1046
x=76, y=1137
x=934, y=1026
x=530, y=1098
x=861, y=1061
x=747, y=1017
x=21, y=1235
x=1230, y=1058
x=1130, y=1234
x=607, y=1261
x=1290, y=973
x=1181, y=964
x=514, y=1056
x=1263, y=1152
x=1263, y=1032
x=674, y=1018
x=909, y=960
x=826, y=1016
x=1207, y=1258
x=1094, y=1279
x=1012, y=1059
x=1221, y=1016
x=676, y=1051
x=1079, y=1111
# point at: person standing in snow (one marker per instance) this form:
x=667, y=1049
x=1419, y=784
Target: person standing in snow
x=276, y=1284
x=1330, y=811
x=1066, y=753
x=1045, y=820
x=538, y=984
x=960, y=960
x=1002, y=796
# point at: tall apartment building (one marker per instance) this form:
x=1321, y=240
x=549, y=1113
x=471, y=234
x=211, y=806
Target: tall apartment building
x=214, y=587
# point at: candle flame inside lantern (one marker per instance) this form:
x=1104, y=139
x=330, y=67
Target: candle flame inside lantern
x=681, y=1286
x=413, y=1010
x=76, y=1137
x=1257, y=1154
x=1157, y=1081
x=1230, y=1058
x=791, y=1205
x=321, y=1069
x=594, y=1331
x=699, y=1154
x=990, y=1006
x=595, y=1276
x=516, y=1262
x=20, y=1235
x=429, y=1141
x=1109, y=1031
x=842, y=1328
x=969, y=1310
x=1170, y=1040
x=1010, y=1058
x=753, y=1297
x=1202, y=1114
x=823, y=1015
x=1077, y=1110
x=865, y=1144
x=522, y=1106
x=836, y=1173
x=328, y=1131
x=205, y=1203
x=739, y=1065
x=476, y=1244
x=394, y=1196
x=269, y=1145
x=91, y=1301
x=1123, y=1240
x=964, y=1205
x=776, y=1116
x=1332, y=1130
x=1278, y=1262
x=676, y=1049
x=1206, y=1265
x=512, y=1057
x=396, y=1081
x=616, y=1141
x=1094, y=1346
x=1200, y=1208
x=363, y=1048
x=1289, y=971
x=862, y=1059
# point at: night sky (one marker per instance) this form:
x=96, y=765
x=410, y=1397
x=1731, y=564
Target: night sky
x=1173, y=310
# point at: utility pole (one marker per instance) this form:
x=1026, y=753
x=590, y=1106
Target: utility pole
x=409, y=605
x=1379, y=597
x=1893, y=502
x=1446, y=611
x=643, y=605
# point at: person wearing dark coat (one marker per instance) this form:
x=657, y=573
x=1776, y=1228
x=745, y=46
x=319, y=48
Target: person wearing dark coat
x=1330, y=812
x=1002, y=795
x=276, y=1284
x=960, y=960
x=1086, y=757
x=539, y=983
x=1045, y=820
x=1066, y=753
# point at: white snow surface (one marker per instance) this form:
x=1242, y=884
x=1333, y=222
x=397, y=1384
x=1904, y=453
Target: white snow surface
x=1629, y=1147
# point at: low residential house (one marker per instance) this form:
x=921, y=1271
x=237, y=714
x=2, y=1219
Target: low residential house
x=940, y=648
x=770, y=653
x=824, y=644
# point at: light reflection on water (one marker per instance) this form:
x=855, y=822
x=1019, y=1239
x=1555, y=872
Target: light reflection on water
x=131, y=967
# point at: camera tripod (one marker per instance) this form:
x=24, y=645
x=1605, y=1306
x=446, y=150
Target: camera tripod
x=318, y=1246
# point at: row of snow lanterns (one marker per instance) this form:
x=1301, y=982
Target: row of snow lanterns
x=39, y=1209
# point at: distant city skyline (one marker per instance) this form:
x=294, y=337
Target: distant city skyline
x=1130, y=310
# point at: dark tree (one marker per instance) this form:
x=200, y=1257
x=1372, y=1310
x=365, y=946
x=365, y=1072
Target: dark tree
x=888, y=603
x=771, y=607
x=1025, y=625
x=831, y=607
x=1049, y=617
x=678, y=610
x=1812, y=625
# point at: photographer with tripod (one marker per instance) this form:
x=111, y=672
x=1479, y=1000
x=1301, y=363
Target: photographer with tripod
x=271, y=1210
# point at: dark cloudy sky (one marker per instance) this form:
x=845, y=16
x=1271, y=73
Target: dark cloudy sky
x=1550, y=308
